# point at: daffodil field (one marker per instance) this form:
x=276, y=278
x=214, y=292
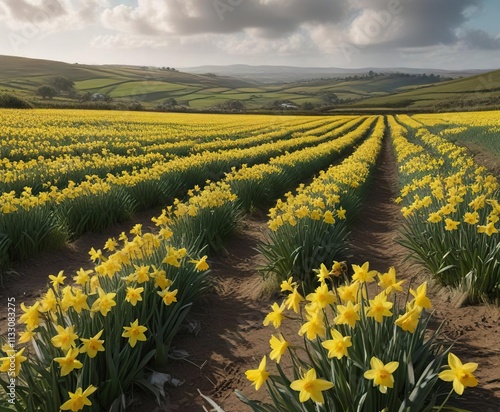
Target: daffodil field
x=451, y=206
x=94, y=335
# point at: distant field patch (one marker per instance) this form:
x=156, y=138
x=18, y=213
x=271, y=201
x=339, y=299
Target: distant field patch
x=145, y=87
x=97, y=83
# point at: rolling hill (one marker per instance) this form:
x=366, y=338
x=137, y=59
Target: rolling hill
x=482, y=90
x=153, y=86
x=287, y=74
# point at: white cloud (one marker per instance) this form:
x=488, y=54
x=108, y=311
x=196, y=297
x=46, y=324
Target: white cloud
x=323, y=30
x=49, y=16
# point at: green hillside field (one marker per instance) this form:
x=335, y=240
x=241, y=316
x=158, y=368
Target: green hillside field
x=479, y=91
x=153, y=87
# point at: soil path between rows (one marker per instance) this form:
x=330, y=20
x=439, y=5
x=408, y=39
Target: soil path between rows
x=232, y=338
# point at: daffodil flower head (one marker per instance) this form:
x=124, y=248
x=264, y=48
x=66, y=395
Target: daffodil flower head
x=134, y=333
x=381, y=374
x=258, y=376
x=78, y=400
x=461, y=375
x=275, y=316
x=337, y=346
x=92, y=345
x=279, y=346
x=310, y=387
x=363, y=273
x=288, y=285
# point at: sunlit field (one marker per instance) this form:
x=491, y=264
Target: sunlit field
x=366, y=342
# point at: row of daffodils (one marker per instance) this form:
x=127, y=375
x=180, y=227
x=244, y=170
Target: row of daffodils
x=451, y=210
x=310, y=226
x=93, y=337
x=41, y=219
x=364, y=348
x=89, y=339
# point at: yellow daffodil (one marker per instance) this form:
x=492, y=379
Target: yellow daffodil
x=322, y=297
x=293, y=300
x=111, y=245
x=96, y=255
x=65, y=338
x=104, y=303
x=279, y=346
x=409, y=320
x=57, y=280
x=451, y=224
x=488, y=229
x=381, y=374
x=310, y=387
x=69, y=362
x=26, y=336
x=133, y=295
x=348, y=315
x=337, y=346
x=168, y=296
x=328, y=217
x=201, y=265
x=379, y=307
x=134, y=333
x=276, y=316
x=9, y=361
x=421, y=299
x=92, y=345
x=434, y=217
x=349, y=293
x=314, y=327
x=258, y=376
x=461, y=375
x=31, y=315
x=388, y=281
x=48, y=302
x=80, y=301
x=363, y=273
x=471, y=218
x=78, y=400
x=323, y=273
x=141, y=274
x=341, y=213
x=288, y=285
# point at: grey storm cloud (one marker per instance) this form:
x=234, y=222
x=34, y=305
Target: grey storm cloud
x=414, y=23
x=479, y=39
x=272, y=17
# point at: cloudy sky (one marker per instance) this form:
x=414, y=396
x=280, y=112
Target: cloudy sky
x=451, y=34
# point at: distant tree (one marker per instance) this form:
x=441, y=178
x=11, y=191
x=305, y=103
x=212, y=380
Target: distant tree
x=135, y=106
x=85, y=97
x=329, y=97
x=46, y=92
x=171, y=101
x=63, y=84
x=308, y=106
x=231, y=106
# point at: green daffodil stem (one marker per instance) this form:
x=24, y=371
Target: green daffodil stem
x=446, y=400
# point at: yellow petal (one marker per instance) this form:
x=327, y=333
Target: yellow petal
x=458, y=387
x=391, y=366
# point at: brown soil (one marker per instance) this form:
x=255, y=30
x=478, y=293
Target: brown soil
x=232, y=338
